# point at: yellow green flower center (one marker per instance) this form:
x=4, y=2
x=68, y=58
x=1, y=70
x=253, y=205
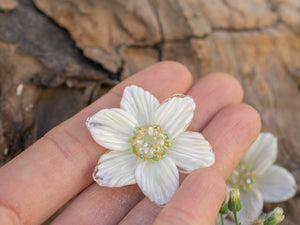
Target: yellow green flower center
x=242, y=177
x=149, y=142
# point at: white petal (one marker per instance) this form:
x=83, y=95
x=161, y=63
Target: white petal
x=139, y=103
x=276, y=184
x=158, y=180
x=175, y=114
x=112, y=128
x=191, y=151
x=252, y=205
x=226, y=221
x=116, y=169
x=262, y=153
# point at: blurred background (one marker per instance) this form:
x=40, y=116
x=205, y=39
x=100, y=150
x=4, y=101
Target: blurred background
x=58, y=56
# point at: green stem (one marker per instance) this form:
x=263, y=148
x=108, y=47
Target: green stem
x=222, y=220
x=235, y=218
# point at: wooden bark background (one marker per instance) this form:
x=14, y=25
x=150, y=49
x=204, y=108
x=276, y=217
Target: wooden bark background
x=57, y=56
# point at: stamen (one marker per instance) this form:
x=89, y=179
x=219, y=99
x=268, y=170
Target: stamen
x=149, y=142
x=242, y=177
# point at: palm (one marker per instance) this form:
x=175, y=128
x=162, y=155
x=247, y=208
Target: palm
x=59, y=166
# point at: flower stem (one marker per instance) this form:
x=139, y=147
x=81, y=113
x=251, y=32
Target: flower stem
x=222, y=220
x=235, y=218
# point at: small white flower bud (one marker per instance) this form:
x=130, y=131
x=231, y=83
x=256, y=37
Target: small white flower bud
x=234, y=203
x=224, y=207
x=274, y=217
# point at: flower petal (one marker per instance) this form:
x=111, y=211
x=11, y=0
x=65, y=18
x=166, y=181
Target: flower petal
x=191, y=151
x=262, y=153
x=227, y=221
x=158, y=180
x=112, y=128
x=175, y=114
x=139, y=103
x=276, y=184
x=116, y=169
x=252, y=205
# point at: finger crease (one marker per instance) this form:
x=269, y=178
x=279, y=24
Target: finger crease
x=117, y=94
x=8, y=214
x=65, y=150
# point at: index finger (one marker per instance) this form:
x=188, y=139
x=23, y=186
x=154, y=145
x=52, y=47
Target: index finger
x=57, y=167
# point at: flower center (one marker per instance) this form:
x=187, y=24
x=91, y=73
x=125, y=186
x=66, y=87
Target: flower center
x=150, y=142
x=242, y=177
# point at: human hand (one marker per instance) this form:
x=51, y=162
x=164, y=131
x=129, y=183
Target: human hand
x=59, y=166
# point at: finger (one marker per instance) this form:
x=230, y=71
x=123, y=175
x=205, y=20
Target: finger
x=238, y=125
x=57, y=167
x=211, y=94
x=144, y=213
x=197, y=200
x=230, y=133
x=100, y=205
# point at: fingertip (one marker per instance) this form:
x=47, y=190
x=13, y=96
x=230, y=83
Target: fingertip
x=253, y=120
x=176, y=69
x=168, y=77
x=212, y=93
x=170, y=72
x=247, y=119
x=228, y=81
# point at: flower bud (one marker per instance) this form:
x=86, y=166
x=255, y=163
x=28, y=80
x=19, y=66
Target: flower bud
x=224, y=207
x=234, y=203
x=274, y=217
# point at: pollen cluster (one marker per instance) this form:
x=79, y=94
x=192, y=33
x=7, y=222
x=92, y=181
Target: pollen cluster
x=242, y=177
x=149, y=142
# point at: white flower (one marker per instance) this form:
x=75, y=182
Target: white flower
x=259, y=180
x=226, y=221
x=147, y=140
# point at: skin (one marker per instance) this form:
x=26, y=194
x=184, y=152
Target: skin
x=59, y=166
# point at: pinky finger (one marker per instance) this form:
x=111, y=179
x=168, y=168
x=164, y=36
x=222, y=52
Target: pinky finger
x=197, y=201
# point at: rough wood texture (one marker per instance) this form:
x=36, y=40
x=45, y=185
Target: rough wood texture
x=8, y=5
x=41, y=71
x=256, y=41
